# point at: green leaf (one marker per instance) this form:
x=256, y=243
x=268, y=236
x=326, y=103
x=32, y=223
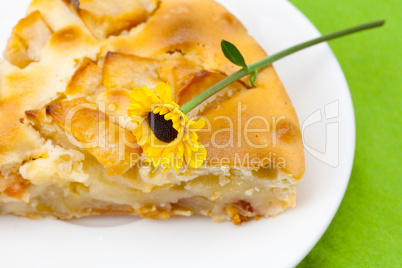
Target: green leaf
x=253, y=76
x=233, y=54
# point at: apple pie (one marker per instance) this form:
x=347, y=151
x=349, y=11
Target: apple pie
x=67, y=143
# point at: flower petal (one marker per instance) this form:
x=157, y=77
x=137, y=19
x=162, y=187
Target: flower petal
x=164, y=91
x=198, y=158
x=199, y=124
x=175, y=117
x=169, y=115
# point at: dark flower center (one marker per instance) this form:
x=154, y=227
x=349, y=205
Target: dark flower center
x=162, y=129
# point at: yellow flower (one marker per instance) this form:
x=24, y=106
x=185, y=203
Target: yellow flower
x=164, y=132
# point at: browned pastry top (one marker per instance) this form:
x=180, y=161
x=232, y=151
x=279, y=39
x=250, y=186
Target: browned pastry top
x=102, y=53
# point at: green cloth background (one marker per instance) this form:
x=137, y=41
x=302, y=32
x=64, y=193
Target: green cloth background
x=367, y=229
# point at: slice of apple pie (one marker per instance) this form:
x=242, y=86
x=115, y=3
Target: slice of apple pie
x=68, y=142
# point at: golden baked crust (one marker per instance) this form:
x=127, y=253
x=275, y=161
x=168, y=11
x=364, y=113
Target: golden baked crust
x=27, y=40
x=93, y=54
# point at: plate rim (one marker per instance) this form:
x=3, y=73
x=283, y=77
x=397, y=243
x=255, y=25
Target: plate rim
x=299, y=257
x=325, y=227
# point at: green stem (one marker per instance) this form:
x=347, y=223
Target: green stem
x=269, y=60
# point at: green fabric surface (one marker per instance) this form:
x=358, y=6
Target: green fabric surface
x=367, y=229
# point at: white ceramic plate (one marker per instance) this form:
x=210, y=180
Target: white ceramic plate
x=317, y=87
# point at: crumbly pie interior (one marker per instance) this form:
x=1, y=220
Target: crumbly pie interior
x=57, y=160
